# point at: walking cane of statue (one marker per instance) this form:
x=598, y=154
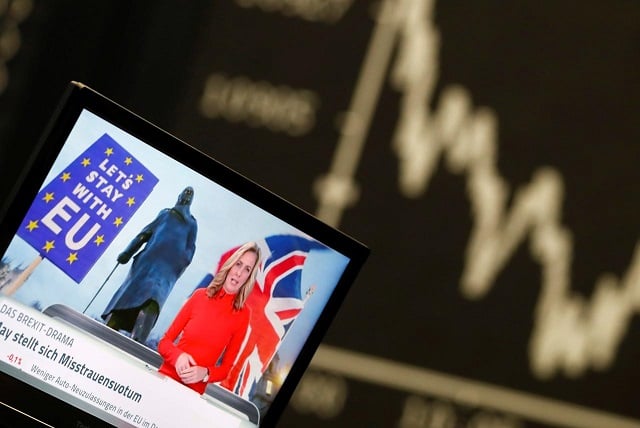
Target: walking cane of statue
x=100, y=289
x=17, y=283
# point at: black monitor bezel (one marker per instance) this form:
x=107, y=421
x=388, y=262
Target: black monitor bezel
x=79, y=97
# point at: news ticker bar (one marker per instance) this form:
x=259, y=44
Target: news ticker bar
x=65, y=361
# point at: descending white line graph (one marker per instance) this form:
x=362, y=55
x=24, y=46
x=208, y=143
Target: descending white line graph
x=572, y=333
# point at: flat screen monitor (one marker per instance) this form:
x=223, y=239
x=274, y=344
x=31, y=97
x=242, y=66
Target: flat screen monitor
x=144, y=284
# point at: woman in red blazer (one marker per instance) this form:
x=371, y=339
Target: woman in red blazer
x=211, y=325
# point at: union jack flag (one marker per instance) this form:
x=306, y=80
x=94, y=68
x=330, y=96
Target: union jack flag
x=275, y=302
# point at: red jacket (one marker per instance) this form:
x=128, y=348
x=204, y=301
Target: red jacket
x=209, y=326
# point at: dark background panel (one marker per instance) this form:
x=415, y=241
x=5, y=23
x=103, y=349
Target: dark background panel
x=321, y=395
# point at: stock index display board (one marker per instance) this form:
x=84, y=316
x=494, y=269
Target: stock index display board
x=486, y=151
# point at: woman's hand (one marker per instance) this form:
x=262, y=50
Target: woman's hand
x=183, y=362
x=193, y=374
x=187, y=370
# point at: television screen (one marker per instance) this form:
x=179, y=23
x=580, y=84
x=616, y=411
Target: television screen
x=144, y=284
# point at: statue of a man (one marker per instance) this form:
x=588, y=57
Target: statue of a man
x=169, y=247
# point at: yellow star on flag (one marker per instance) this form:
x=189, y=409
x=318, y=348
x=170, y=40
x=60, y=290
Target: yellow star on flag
x=139, y=178
x=128, y=161
x=99, y=240
x=109, y=151
x=65, y=176
x=131, y=201
x=118, y=221
x=48, y=246
x=72, y=258
x=48, y=197
x=86, y=162
x=33, y=224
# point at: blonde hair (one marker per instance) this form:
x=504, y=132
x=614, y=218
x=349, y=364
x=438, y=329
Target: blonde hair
x=218, y=280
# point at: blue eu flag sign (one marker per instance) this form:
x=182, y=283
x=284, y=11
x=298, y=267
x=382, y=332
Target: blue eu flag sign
x=77, y=215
